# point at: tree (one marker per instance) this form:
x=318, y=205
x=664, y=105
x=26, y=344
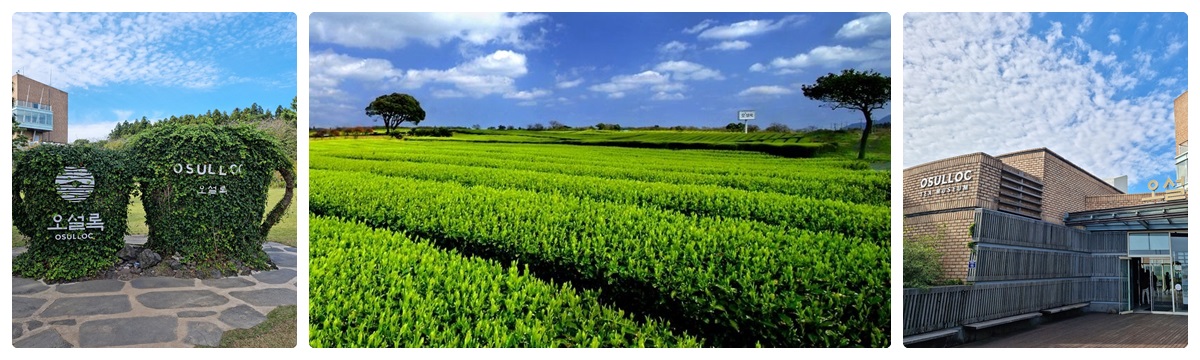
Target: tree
x=778, y=127
x=863, y=91
x=395, y=109
x=19, y=140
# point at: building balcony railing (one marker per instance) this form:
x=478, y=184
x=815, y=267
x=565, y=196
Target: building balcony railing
x=32, y=105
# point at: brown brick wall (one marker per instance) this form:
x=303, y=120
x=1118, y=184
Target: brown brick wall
x=951, y=230
x=1181, y=123
x=1065, y=186
x=981, y=190
x=1112, y=201
x=27, y=89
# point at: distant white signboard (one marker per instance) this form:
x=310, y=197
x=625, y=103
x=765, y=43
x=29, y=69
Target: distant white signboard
x=746, y=115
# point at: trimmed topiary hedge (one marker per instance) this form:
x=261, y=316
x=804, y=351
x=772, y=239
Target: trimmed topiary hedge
x=72, y=203
x=204, y=188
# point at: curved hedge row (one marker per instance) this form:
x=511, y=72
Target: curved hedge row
x=204, y=188
x=729, y=281
x=854, y=220
x=376, y=288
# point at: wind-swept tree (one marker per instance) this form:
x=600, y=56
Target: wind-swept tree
x=863, y=91
x=396, y=108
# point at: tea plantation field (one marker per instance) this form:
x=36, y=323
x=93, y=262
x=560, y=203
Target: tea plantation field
x=479, y=244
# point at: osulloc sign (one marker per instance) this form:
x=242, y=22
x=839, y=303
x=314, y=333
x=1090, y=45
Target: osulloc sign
x=71, y=203
x=945, y=183
x=205, y=190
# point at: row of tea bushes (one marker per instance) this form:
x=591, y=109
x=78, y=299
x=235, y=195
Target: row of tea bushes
x=732, y=282
x=378, y=288
x=854, y=220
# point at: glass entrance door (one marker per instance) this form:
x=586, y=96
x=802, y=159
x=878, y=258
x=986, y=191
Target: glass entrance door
x=1159, y=290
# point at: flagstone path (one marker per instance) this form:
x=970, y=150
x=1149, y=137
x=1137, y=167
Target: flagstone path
x=149, y=311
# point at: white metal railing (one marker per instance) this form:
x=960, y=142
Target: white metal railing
x=32, y=105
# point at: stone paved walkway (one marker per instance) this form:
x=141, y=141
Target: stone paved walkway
x=149, y=311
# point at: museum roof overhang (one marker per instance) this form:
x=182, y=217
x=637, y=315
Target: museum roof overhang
x=1168, y=215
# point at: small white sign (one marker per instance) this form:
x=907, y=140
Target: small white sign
x=746, y=115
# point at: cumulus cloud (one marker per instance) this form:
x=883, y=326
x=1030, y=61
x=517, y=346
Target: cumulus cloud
x=1114, y=37
x=673, y=47
x=701, y=26
x=731, y=45
x=567, y=84
x=389, y=31
x=1085, y=24
x=666, y=80
x=97, y=49
x=492, y=74
x=686, y=70
x=749, y=28
x=868, y=26
x=876, y=55
x=984, y=82
x=765, y=91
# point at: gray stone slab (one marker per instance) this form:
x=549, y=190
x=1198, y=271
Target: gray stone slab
x=23, y=307
x=161, y=282
x=181, y=299
x=282, y=259
x=127, y=331
x=242, y=317
x=34, y=325
x=23, y=286
x=88, y=305
x=203, y=334
x=67, y=322
x=17, y=330
x=93, y=286
x=267, y=297
x=137, y=239
x=226, y=283
x=276, y=276
x=195, y=314
x=49, y=338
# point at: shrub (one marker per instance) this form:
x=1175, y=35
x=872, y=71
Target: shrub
x=922, y=262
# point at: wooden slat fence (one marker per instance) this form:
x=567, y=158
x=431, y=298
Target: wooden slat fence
x=944, y=307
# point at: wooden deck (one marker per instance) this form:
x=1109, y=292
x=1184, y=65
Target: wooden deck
x=1098, y=331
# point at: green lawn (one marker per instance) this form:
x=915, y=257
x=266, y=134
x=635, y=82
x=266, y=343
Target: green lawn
x=284, y=232
x=278, y=331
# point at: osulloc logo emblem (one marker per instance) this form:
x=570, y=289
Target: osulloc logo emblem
x=75, y=184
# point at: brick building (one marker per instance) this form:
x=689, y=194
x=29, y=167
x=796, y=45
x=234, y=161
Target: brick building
x=40, y=110
x=1033, y=217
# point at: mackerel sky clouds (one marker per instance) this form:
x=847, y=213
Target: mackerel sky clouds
x=1097, y=89
x=635, y=69
x=123, y=66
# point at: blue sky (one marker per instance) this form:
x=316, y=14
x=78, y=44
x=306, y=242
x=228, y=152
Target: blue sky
x=122, y=66
x=1098, y=89
x=635, y=69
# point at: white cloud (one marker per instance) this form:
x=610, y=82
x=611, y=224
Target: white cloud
x=664, y=96
x=731, y=45
x=92, y=131
x=81, y=50
x=527, y=95
x=447, y=93
x=749, y=28
x=391, y=31
x=673, y=48
x=984, y=82
x=1174, y=46
x=871, y=25
x=765, y=91
x=567, y=84
x=1114, y=37
x=685, y=70
x=701, y=26
x=875, y=54
x=123, y=114
x=1085, y=24
x=622, y=83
